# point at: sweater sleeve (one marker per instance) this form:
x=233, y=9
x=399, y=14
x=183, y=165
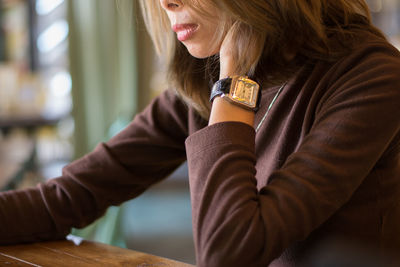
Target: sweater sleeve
x=150, y=148
x=237, y=225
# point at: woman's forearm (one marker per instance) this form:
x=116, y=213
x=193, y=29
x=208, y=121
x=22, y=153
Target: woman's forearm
x=223, y=111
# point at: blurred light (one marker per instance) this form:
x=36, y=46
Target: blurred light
x=375, y=6
x=50, y=38
x=61, y=84
x=44, y=7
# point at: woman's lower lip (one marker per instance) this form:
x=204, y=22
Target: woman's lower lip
x=186, y=34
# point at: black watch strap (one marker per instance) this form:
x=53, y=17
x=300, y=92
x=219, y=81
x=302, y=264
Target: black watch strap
x=220, y=87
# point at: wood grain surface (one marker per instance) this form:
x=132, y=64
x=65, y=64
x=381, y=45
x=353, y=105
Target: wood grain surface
x=86, y=253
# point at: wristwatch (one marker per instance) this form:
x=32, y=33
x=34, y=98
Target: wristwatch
x=239, y=90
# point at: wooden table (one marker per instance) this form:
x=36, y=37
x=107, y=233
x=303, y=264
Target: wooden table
x=77, y=254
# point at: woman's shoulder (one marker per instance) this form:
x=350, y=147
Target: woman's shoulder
x=372, y=58
x=374, y=51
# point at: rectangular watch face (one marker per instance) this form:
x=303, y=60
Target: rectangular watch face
x=244, y=91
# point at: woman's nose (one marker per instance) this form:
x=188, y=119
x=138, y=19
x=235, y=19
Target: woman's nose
x=171, y=5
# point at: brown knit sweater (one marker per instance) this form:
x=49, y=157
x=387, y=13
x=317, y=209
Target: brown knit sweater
x=325, y=163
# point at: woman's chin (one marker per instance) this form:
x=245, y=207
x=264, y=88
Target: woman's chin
x=201, y=52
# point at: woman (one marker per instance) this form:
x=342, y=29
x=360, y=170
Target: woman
x=313, y=156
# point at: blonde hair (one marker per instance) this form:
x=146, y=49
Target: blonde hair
x=312, y=29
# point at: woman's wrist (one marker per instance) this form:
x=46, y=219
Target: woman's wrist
x=223, y=111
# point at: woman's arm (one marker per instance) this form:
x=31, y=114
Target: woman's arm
x=150, y=148
x=237, y=225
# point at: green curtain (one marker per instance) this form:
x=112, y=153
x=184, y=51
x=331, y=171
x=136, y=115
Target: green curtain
x=103, y=67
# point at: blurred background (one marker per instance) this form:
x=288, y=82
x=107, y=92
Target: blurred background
x=74, y=73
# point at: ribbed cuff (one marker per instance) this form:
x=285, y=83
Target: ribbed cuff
x=224, y=133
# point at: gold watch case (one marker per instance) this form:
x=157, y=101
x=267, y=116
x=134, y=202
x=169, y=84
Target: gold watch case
x=244, y=92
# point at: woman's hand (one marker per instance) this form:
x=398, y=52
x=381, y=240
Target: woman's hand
x=226, y=60
x=223, y=110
